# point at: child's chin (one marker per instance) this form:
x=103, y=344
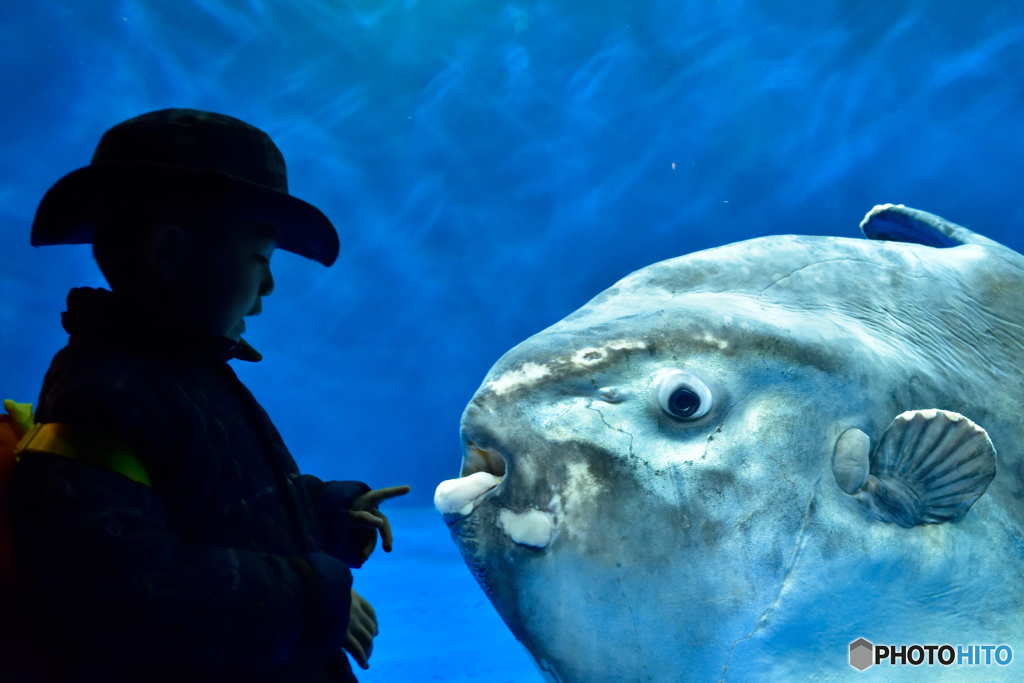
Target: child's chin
x=236, y=331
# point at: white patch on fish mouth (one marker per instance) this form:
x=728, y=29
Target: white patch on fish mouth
x=528, y=373
x=532, y=527
x=461, y=496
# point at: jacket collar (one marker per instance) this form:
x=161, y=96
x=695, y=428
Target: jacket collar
x=102, y=314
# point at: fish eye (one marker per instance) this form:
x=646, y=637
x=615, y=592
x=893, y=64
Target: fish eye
x=684, y=396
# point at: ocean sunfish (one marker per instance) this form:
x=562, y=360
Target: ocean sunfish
x=737, y=464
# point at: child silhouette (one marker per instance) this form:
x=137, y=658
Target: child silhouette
x=162, y=529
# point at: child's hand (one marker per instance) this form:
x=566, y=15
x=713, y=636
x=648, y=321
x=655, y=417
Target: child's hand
x=364, y=513
x=362, y=627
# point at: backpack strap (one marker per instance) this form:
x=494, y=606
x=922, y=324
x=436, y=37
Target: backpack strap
x=13, y=425
x=71, y=442
x=20, y=416
x=19, y=434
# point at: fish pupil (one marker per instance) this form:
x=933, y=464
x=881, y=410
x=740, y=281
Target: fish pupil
x=684, y=402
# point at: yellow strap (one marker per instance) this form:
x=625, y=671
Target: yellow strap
x=60, y=439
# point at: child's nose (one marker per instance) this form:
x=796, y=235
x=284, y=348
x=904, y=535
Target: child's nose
x=267, y=285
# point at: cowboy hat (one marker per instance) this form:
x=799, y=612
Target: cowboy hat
x=184, y=147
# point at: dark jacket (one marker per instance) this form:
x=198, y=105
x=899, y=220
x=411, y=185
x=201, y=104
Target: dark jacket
x=219, y=572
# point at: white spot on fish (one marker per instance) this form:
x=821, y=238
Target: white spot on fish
x=574, y=502
x=592, y=355
x=588, y=356
x=623, y=344
x=532, y=527
x=581, y=484
x=710, y=339
x=529, y=373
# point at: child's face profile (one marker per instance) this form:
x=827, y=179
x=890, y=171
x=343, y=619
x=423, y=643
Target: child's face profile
x=211, y=284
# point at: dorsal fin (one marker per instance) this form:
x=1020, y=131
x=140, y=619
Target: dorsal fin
x=898, y=223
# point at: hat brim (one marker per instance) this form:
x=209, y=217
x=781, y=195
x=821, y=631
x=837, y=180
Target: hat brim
x=83, y=199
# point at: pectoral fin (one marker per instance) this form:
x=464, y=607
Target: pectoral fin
x=850, y=463
x=929, y=467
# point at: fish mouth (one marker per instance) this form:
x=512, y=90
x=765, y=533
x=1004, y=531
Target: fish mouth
x=478, y=459
x=483, y=470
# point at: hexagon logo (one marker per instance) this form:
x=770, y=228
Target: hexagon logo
x=861, y=654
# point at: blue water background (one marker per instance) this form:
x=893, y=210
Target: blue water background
x=491, y=166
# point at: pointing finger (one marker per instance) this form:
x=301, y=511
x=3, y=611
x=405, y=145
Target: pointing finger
x=372, y=499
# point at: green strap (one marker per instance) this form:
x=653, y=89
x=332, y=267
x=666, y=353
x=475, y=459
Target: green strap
x=60, y=439
x=21, y=413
